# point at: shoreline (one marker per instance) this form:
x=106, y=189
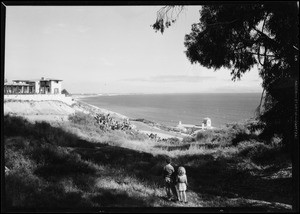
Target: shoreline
x=154, y=128
x=79, y=96
x=54, y=110
x=106, y=111
x=172, y=118
x=59, y=111
x=162, y=130
x=147, y=126
x=136, y=120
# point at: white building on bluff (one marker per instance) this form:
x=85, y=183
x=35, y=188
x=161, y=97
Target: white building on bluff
x=41, y=86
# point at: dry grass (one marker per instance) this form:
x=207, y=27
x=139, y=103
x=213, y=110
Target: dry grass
x=76, y=165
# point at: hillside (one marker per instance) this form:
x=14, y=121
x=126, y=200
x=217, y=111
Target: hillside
x=49, y=109
x=74, y=164
x=58, y=111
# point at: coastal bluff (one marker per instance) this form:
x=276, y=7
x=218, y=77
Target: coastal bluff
x=53, y=108
x=59, y=108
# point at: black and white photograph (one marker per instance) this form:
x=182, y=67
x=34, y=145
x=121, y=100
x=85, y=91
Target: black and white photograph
x=149, y=106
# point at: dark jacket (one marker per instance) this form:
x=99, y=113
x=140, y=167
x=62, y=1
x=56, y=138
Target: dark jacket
x=168, y=171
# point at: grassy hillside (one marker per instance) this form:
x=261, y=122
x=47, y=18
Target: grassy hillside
x=74, y=165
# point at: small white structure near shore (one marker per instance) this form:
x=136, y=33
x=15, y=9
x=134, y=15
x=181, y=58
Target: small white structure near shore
x=206, y=124
x=181, y=127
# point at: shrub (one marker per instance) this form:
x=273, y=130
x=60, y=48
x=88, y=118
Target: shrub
x=188, y=139
x=276, y=142
x=65, y=92
x=16, y=126
x=82, y=118
x=135, y=135
x=58, y=161
x=204, y=135
x=241, y=136
x=25, y=190
x=43, y=131
x=54, y=135
x=259, y=152
x=34, y=168
x=173, y=141
x=21, y=188
x=16, y=161
x=265, y=154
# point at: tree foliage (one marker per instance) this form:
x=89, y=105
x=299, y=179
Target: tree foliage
x=166, y=16
x=64, y=91
x=241, y=36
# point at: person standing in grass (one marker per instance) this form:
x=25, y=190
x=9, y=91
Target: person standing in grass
x=182, y=184
x=169, y=182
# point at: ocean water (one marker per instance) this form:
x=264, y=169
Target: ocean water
x=169, y=109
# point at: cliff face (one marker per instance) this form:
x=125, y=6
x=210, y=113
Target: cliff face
x=58, y=111
x=40, y=97
x=39, y=110
x=51, y=110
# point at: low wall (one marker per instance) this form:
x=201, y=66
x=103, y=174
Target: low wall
x=40, y=97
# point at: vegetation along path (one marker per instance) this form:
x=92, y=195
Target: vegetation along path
x=75, y=164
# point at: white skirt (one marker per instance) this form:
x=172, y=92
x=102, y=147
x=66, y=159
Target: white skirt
x=181, y=187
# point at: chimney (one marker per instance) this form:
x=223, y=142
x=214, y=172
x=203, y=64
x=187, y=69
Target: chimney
x=42, y=78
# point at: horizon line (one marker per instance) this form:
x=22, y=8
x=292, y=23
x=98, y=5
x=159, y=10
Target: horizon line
x=101, y=94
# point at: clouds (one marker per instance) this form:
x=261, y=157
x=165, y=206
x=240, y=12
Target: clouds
x=172, y=78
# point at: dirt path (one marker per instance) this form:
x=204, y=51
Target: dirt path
x=142, y=184
x=147, y=129
x=207, y=201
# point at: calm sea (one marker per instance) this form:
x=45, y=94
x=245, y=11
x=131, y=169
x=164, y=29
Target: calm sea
x=169, y=109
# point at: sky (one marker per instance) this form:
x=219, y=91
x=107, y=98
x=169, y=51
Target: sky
x=110, y=49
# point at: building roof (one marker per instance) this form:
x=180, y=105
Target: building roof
x=25, y=80
x=16, y=84
x=49, y=79
x=36, y=80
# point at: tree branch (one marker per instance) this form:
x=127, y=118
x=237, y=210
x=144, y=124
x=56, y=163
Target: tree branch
x=265, y=56
x=261, y=99
x=221, y=23
x=257, y=53
x=258, y=50
x=270, y=39
x=262, y=54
